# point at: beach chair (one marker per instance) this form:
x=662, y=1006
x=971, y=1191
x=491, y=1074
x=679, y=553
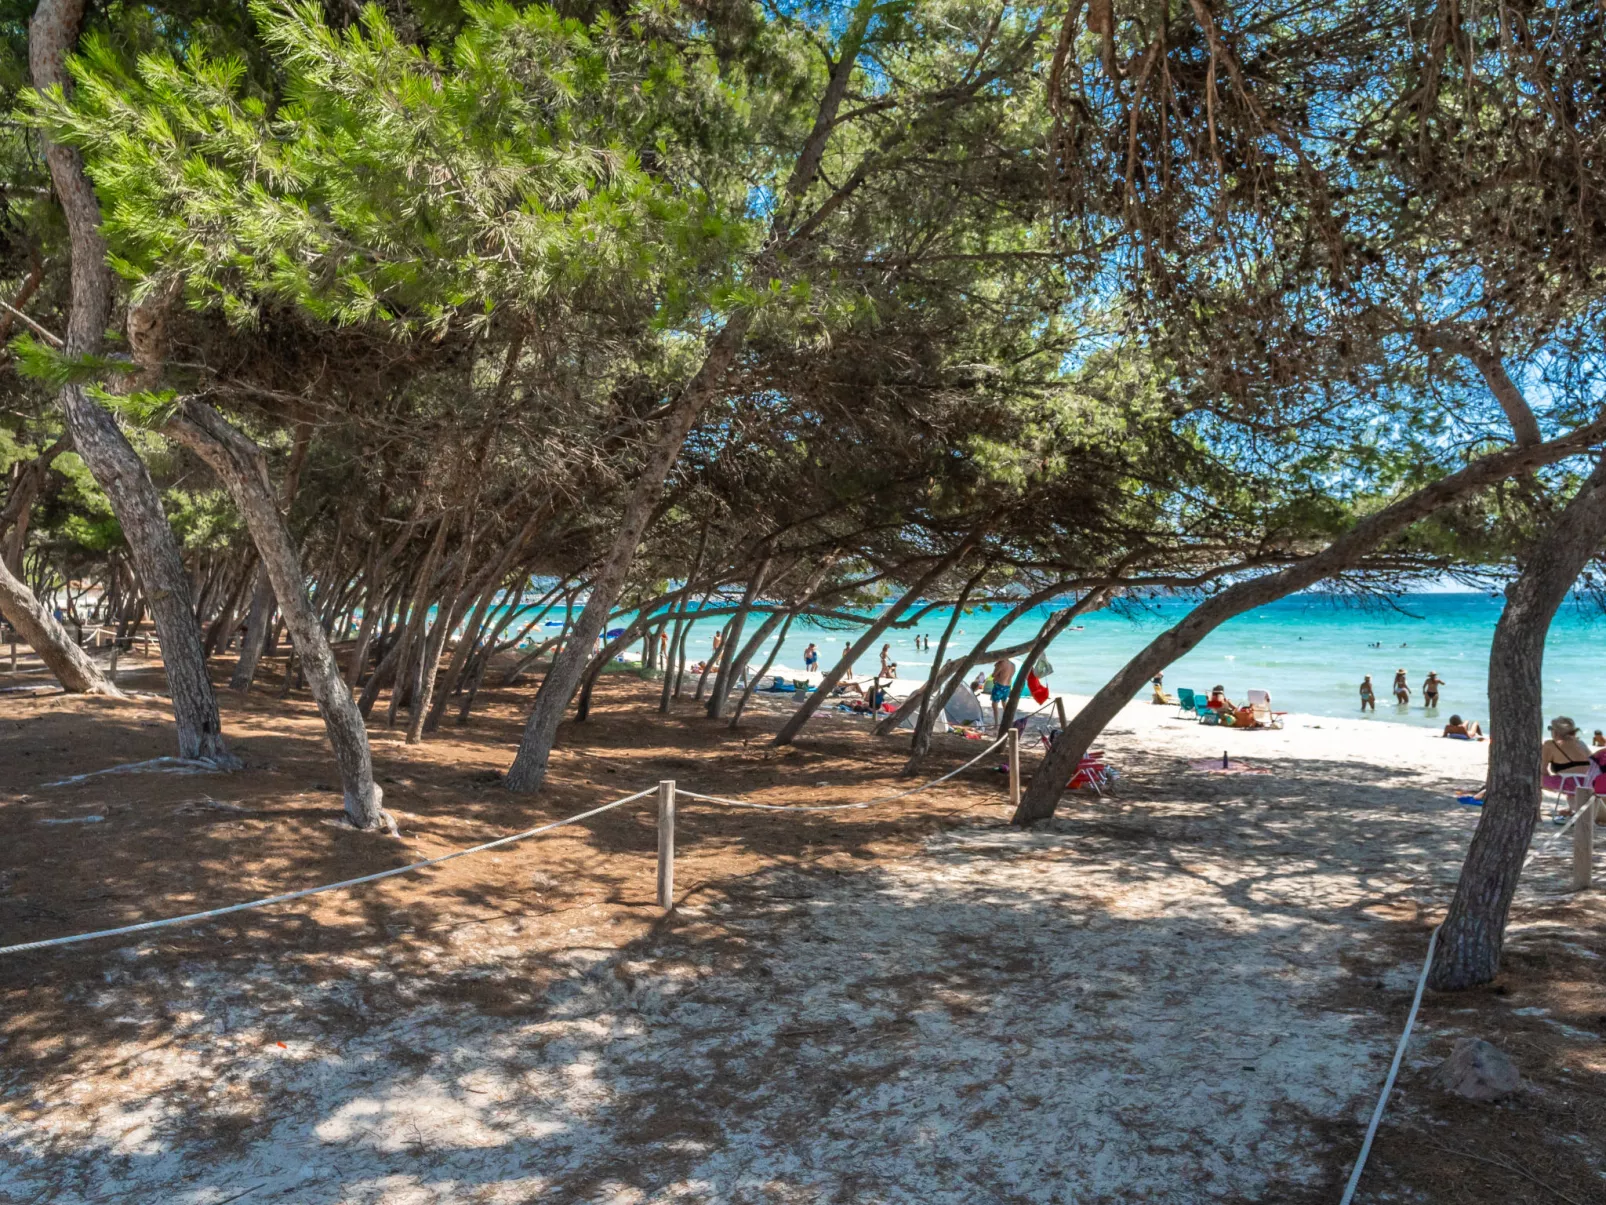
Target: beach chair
x=1184, y=701
x=1260, y=705
x=1202, y=708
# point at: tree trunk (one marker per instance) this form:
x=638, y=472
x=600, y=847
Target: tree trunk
x=240, y=466
x=52, y=35
x=528, y=770
x=36, y=625
x=752, y=682
x=1048, y=782
x=256, y=634
x=1468, y=951
x=798, y=718
x=735, y=661
x=447, y=616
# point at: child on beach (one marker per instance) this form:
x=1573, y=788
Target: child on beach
x=1367, y=698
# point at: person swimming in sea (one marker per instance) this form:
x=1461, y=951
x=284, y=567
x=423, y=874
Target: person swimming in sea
x=1368, y=699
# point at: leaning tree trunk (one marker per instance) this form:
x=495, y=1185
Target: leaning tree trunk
x=794, y=723
x=735, y=662
x=35, y=624
x=52, y=34
x=1469, y=944
x=1052, y=773
x=239, y=464
x=752, y=682
x=528, y=770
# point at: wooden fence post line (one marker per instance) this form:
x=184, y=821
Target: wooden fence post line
x=666, y=844
x=1012, y=744
x=1584, y=806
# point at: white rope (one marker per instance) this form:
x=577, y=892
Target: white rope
x=838, y=807
x=1394, y=1070
x=192, y=917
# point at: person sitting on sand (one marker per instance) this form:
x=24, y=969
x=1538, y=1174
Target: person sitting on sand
x=1467, y=730
x=1160, y=698
x=1600, y=739
x=1402, y=690
x=1430, y=689
x=1218, y=702
x=1368, y=699
x=1564, y=756
x=1003, y=679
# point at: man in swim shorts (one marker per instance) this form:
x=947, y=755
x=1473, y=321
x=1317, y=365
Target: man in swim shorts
x=1003, y=679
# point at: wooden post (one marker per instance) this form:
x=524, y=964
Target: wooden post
x=1012, y=744
x=111, y=664
x=147, y=644
x=666, y=844
x=1584, y=806
x=1059, y=706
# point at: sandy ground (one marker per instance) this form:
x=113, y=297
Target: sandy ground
x=1188, y=991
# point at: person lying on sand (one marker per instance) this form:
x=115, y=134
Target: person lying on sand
x=1467, y=730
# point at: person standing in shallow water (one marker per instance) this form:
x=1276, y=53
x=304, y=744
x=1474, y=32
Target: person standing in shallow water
x=1402, y=690
x=1430, y=689
x=1368, y=699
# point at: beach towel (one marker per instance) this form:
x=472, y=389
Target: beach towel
x=1039, y=691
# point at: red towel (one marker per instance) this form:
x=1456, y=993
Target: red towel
x=1039, y=691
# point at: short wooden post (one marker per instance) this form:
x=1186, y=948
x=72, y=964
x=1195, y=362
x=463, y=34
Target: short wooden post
x=1584, y=806
x=111, y=664
x=1059, y=706
x=147, y=644
x=1012, y=744
x=666, y=844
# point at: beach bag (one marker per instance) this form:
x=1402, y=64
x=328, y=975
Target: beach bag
x=1039, y=691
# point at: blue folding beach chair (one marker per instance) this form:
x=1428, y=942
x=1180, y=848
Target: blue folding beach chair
x=1184, y=701
x=1201, y=706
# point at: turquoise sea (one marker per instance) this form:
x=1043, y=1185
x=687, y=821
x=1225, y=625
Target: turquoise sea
x=1308, y=650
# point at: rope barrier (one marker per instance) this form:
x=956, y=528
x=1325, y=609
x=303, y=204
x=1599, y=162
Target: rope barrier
x=838, y=807
x=193, y=917
x=1394, y=1070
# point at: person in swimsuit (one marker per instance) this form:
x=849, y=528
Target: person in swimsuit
x=1564, y=761
x=1463, y=730
x=811, y=658
x=1368, y=700
x=1003, y=679
x=889, y=667
x=1600, y=739
x=1402, y=691
x=1430, y=689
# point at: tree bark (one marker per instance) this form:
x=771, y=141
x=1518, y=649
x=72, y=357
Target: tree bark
x=239, y=464
x=52, y=35
x=256, y=634
x=1048, y=782
x=1468, y=951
